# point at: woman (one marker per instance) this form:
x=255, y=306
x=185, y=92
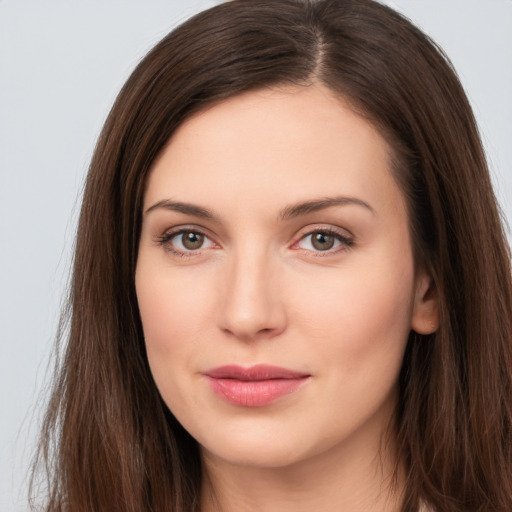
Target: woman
x=291, y=286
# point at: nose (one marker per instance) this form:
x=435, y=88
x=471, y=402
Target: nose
x=251, y=302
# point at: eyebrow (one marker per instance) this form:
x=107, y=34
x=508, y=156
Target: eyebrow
x=186, y=208
x=303, y=208
x=289, y=212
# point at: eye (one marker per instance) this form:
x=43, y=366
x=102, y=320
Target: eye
x=185, y=241
x=324, y=240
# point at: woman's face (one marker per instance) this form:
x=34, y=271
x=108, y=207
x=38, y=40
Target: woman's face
x=275, y=278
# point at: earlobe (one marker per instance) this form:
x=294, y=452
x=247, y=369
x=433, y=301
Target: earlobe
x=425, y=314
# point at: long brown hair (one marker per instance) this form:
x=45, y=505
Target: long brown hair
x=108, y=441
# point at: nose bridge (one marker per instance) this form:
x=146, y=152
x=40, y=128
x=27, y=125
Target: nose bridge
x=251, y=305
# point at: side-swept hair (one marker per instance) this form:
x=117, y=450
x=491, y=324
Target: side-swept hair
x=108, y=441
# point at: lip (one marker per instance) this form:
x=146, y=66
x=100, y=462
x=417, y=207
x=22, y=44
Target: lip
x=255, y=386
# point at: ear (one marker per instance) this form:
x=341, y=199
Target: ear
x=425, y=314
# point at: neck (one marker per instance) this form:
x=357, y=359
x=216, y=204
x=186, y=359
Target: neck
x=354, y=476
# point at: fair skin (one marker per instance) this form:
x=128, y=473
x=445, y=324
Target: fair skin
x=275, y=234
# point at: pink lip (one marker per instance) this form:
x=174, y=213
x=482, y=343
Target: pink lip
x=255, y=386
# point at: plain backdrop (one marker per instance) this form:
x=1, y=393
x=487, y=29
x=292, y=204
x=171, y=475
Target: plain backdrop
x=61, y=65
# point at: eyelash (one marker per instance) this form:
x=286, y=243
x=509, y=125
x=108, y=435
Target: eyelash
x=166, y=238
x=345, y=242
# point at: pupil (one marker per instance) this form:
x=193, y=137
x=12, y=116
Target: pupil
x=323, y=241
x=192, y=240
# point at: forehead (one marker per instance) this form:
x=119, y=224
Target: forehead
x=280, y=144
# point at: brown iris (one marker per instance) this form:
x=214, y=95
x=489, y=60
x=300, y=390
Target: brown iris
x=322, y=241
x=192, y=240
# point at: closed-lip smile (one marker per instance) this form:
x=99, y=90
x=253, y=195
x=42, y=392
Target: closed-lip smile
x=254, y=386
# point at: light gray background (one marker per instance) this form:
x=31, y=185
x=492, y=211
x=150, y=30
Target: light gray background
x=61, y=65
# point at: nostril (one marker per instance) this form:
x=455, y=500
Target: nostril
x=250, y=327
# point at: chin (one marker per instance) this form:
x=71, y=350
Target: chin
x=262, y=455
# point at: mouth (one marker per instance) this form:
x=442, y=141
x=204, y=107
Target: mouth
x=255, y=386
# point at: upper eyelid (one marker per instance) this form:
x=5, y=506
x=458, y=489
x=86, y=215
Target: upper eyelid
x=326, y=228
x=184, y=228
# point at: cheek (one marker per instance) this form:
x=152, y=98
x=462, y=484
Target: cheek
x=365, y=315
x=173, y=314
x=356, y=330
